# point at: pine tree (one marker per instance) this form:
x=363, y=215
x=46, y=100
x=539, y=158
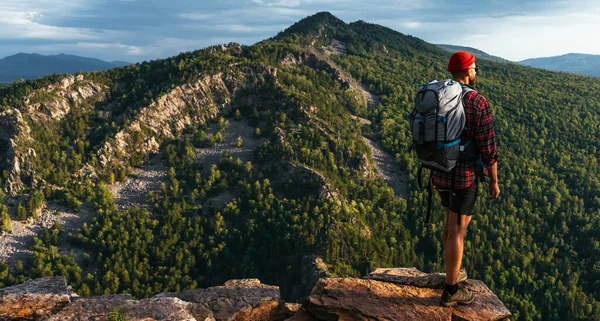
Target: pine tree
x=5, y=219
x=21, y=213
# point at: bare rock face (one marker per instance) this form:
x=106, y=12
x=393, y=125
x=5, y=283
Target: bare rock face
x=35, y=299
x=368, y=299
x=15, y=136
x=57, y=99
x=155, y=309
x=409, y=276
x=49, y=104
x=238, y=300
x=188, y=104
x=313, y=269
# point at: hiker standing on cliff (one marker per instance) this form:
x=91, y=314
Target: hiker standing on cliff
x=458, y=193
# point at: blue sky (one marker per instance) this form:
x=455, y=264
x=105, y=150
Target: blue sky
x=137, y=30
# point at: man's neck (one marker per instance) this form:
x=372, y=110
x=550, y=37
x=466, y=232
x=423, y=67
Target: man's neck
x=462, y=80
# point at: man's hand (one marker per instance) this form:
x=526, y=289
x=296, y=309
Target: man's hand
x=494, y=190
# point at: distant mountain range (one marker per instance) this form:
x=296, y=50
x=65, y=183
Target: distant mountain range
x=573, y=62
x=30, y=66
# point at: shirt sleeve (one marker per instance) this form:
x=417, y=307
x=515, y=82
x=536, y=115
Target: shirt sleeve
x=484, y=133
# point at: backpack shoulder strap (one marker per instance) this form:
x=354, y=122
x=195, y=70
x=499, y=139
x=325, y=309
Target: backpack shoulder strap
x=466, y=88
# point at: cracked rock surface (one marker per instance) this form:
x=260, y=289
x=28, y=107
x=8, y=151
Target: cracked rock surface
x=238, y=300
x=386, y=294
x=34, y=299
x=368, y=299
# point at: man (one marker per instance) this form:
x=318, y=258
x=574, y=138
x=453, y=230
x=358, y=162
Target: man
x=458, y=190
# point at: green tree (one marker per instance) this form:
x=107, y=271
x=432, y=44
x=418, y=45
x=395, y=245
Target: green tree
x=6, y=223
x=21, y=213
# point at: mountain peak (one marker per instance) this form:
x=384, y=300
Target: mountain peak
x=319, y=24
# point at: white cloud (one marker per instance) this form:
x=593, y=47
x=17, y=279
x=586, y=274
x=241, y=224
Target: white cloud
x=244, y=28
x=412, y=25
x=150, y=29
x=281, y=3
x=24, y=24
x=198, y=16
x=521, y=37
x=129, y=50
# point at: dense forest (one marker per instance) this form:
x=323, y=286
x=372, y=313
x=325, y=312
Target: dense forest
x=305, y=193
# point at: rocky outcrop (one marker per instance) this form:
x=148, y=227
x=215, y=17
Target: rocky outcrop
x=15, y=139
x=313, y=269
x=415, y=297
x=409, y=276
x=100, y=308
x=54, y=102
x=168, y=116
x=49, y=104
x=238, y=300
x=386, y=294
x=35, y=299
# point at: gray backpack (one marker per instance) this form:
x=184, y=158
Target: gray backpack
x=437, y=123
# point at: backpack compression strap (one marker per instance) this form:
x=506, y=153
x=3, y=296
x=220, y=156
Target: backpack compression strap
x=429, y=191
x=429, y=200
x=465, y=89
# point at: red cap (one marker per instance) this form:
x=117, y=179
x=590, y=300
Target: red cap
x=460, y=61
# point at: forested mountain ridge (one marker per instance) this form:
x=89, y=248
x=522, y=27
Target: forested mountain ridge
x=478, y=53
x=306, y=189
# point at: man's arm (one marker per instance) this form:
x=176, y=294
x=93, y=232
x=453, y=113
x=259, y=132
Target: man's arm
x=494, y=188
x=486, y=143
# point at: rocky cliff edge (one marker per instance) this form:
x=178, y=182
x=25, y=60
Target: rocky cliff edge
x=386, y=294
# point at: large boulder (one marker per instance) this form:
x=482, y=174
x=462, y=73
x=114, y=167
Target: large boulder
x=35, y=299
x=238, y=300
x=406, y=294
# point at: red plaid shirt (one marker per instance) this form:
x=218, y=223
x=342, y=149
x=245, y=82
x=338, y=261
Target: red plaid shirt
x=478, y=115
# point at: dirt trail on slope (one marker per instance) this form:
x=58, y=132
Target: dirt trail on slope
x=387, y=169
x=134, y=191
x=210, y=155
x=14, y=246
x=372, y=100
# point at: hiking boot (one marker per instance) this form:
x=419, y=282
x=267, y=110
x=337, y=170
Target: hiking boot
x=462, y=296
x=462, y=275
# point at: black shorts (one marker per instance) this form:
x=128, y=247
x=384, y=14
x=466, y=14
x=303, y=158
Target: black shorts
x=460, y=201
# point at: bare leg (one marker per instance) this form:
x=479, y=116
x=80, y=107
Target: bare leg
x=454, y=244
x=445, y=230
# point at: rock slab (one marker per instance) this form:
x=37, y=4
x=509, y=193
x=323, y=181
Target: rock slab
x=155, y=309
x=34, y=299
x=239, y=300
x=369, y=299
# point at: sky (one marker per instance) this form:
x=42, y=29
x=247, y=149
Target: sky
x=138, y=30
